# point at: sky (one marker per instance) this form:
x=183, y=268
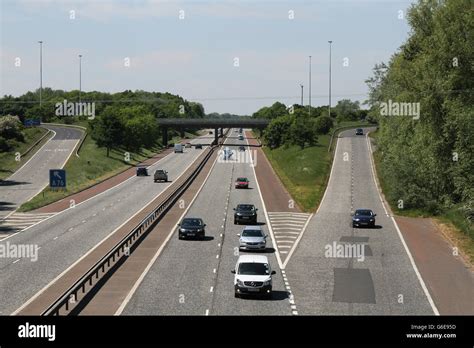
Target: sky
x=231, y=56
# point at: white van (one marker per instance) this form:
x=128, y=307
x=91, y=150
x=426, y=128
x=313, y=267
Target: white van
x=178, y=148
x=253, y=275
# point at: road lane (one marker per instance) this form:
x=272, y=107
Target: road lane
x=383, y=281
x=193, y=277
x=33, y=176
x=67, y=236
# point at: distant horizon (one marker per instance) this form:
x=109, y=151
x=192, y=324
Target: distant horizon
x=230, y=57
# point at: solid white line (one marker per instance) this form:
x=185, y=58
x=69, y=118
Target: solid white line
x=298, y=240
x=266, y=213
x=422, y=283
x=330, y=175
x=170, y=234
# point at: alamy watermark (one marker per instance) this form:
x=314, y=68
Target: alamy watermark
x=75, y=109
x=345, y=250
x=392, y=108
x=19, y=251
x=227, y=155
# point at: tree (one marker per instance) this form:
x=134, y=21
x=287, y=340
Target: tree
x=108, y=129
x=323, y=124
x=277, y=131
x=347, y=110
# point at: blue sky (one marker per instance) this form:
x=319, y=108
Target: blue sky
x=194, y=57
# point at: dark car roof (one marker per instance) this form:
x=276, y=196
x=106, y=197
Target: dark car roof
x=364, y=211
x=192, y=221
x=245, y=206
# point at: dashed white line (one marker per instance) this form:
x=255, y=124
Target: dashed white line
x=16, y=261
x=212, y=289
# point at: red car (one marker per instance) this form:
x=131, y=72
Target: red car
x=242, y=183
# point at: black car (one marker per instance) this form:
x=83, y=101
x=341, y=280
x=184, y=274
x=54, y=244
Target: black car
x=241, y=148
x=142, y=171
x=246, y=213
x=198, y=146
x=192, y=227
x=359, y=131
x=363, y=217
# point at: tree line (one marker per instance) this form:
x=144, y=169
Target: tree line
x=428, y=160
x=122, y=120
x=301, y=125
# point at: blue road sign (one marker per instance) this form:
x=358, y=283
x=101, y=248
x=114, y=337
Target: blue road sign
x=57, y=178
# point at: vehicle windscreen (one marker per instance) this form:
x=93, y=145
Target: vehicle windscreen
x=363, y=213
x=254, y=269
x=191, y=222
x=245, y=207
x=242, y=179
x=251, y=233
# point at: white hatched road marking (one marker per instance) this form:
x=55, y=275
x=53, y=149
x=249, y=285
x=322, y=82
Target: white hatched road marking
x=287, y=228
x=19, y=221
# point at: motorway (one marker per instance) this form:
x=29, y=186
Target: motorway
x=33, y=176
x=68, y=235
x=385, y=282
x=193, y=277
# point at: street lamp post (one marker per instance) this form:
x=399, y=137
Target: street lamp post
x=41, y=70
x=301, y=95
x=330, y=44
x=309, y=85
x=80, y=76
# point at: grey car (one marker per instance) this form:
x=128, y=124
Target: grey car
x=252, y=238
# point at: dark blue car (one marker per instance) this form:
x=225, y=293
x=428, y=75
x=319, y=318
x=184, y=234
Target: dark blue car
x=363, y=217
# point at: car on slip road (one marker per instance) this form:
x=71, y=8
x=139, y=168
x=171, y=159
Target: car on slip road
x=252, y=238
x=246, y=213
x=359, y=131
x=142, y=171
x=363, y=217
x=192, y=227
x=253, y=276
x=198, y=146
x=241, y=137
x=241, y=183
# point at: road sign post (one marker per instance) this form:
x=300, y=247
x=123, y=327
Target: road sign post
x=57, y=178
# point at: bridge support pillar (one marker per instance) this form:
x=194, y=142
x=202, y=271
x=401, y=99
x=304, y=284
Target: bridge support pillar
x=222, y=132
x=165, y=136
x=216, y=136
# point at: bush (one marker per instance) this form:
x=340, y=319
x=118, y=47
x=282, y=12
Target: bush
x=323, y=124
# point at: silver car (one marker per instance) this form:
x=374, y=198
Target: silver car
x=252, y=238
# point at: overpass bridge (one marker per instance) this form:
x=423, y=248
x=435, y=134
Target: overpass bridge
x=215, y=123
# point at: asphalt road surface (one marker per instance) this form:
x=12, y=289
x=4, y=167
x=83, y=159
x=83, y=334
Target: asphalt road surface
x=68, y=235
x=383, y=281
x=192, y=277
x=33, y=176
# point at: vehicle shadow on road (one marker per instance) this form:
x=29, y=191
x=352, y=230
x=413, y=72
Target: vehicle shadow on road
x=277, y=295
x=6, y=206
x=13, y=182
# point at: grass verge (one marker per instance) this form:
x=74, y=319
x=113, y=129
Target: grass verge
x=8, y=163
x=303, y=172
x=451, y=222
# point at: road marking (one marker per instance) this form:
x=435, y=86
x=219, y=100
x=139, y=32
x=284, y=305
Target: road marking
x=16, y=261
x=410, y=257
x=155, y=257
x=212, y=289
x=214, y=271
